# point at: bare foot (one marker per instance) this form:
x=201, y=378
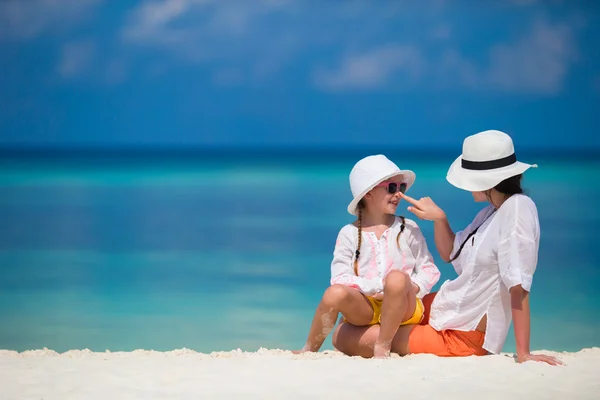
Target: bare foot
x=300, y=351
x=305, y=349
x=382, y=350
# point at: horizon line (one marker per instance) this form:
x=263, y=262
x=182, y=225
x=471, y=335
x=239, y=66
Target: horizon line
x=136, y=148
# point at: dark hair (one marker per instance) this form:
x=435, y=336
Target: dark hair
x=507, y=187
x=359, y=207
x=510, y=186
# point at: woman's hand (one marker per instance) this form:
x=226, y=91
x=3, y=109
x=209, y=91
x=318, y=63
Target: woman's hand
x=539, y=357
x=424, y=208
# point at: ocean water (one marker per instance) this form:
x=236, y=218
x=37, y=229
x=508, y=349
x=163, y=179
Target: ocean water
x=227, y=250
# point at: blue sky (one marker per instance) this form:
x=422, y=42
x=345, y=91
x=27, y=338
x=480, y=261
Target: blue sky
x=194, y=73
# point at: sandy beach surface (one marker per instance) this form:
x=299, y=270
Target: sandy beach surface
x=273, y=374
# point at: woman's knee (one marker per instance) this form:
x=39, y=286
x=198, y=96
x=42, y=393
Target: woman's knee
x=335, y=295
x=396, y=281
x=353, y=340
x=336, y=341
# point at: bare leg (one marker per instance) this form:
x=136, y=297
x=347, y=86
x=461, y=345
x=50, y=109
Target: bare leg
x=337, y=298
x=398, y=305
x=360, y=340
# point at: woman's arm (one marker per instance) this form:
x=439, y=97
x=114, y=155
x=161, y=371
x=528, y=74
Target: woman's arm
x=518, y=248
x=443, y=237
x=425, y=208
x=521, y=320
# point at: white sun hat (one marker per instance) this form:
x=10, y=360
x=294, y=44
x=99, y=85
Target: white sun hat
x=371, y=171
x=487, y=159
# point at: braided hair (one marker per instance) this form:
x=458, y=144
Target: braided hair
x=402, y=225
x=359, y=223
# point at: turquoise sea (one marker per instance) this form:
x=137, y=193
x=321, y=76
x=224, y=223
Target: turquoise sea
x=220, y=250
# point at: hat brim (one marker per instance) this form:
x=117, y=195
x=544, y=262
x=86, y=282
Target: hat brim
x=408, y=177
x=481, y=180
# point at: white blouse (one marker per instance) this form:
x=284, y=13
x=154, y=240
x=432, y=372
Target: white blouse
x=378, y=257
x=502, y=254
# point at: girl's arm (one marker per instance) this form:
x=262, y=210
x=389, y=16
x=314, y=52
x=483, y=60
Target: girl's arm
x=520, y=312
x=342, y=267
x=425, y=274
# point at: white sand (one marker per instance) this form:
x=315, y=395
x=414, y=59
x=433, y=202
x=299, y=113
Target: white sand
x=277, y=374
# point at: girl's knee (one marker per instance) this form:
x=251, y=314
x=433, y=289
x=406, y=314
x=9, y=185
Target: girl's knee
x=335, y=295
x=396, y=281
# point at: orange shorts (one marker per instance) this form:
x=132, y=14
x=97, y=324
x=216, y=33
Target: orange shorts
x=448, y=343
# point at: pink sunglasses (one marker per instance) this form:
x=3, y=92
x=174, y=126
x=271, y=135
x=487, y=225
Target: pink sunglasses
x=394, y=187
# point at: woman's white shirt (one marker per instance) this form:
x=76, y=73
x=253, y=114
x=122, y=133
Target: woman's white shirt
x=502, y=254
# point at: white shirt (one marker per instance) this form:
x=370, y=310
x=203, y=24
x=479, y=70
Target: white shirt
x=502, y=254
x=378, y=257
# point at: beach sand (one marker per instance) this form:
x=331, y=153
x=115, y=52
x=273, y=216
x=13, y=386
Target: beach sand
x=277, y=374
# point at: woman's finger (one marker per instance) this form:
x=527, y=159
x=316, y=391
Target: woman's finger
x=547, y=359
x=417, y=212
x=409, y=199
x=553, y=360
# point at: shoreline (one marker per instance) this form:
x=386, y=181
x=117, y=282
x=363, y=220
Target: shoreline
x=46, y=352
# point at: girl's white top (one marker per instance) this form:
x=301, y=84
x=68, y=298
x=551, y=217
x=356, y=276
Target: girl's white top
x=378, y=257
x=502, y=254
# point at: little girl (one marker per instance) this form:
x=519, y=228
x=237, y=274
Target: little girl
x=381, y=266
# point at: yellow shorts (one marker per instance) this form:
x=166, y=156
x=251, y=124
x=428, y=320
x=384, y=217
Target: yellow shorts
x=415, y=318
